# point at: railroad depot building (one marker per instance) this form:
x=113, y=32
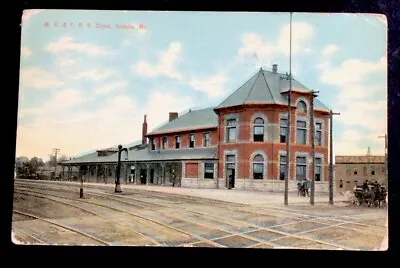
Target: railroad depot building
x=354, y=170
x=241, y=143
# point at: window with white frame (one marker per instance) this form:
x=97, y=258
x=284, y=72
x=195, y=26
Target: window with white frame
x=177, y=142
x=231, y=130
x=282, y=167
x=301, y=133
x=258, y=167
x=318, y=134
x=206, y=139
x=191, y=140
x=301, y=167
x=258, y=129
x=153, y=143
x=301, y=107
x=209, y=170
x=318, y=168
x=283, y=129
x=164, y=142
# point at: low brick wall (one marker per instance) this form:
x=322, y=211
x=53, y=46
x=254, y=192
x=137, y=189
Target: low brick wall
x=254, y=185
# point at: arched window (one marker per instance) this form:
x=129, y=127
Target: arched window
x=258, y=167
x=301, y=107
x=258, y=133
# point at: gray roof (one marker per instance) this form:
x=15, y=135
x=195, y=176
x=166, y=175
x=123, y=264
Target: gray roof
x=193, y=119
x=143, y=154
x=266, y=87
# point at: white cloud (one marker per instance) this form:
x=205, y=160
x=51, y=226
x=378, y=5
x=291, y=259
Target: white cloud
x=254, y=44
x=329, y=49
x=165, y=64
x=67, y=43
x=95, y=74
x=38, y=78
x=351, y=71
x=25, y=51
x=119, y=120
x=27, y=14
x=64, y=61
x=62, y=100
x=111, y=87
x=213, y=85
x=357, y=104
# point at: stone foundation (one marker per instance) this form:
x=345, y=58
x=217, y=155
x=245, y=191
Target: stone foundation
x=249, y=184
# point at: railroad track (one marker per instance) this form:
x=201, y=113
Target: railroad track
x=238, y=222
x=41, y=195
x=60, y=225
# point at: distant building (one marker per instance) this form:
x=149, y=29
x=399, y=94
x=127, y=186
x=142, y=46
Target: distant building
x=353, y=170
x=241, y=143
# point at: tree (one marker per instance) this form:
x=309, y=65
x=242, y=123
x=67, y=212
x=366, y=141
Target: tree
x=35, y=163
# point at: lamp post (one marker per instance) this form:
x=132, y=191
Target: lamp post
x=331, y=156
x=117, y=173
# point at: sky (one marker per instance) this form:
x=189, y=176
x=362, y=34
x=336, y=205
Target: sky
x=87, y=86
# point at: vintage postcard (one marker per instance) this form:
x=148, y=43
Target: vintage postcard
x=202, y=129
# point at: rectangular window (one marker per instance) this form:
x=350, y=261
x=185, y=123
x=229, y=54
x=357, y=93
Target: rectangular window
x=282, y=167
x=258, y=171
x=301, y=166
x=318, y=168
x=206, y=140
x=301, y=132
x=355, y=171
x=283, y=130
x=365, y=171
x=208, y=170
x=348, y=170
x=231, y=130
x=153, y=144
x=177, y=142
x=258, y=133
x=383, y=169
x=191, y=140
x=318, y=134
x=372, y=171
x=230, y=161
x=341, y=184
x=164, y=142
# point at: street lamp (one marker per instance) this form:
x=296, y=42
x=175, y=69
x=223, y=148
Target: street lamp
x=331, y=156
x=117, y=173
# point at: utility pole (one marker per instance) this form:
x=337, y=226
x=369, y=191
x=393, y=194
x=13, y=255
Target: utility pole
x=289, y=123
x=331, y=156
x=55, y=152
x=386, y=159
x=313, y=95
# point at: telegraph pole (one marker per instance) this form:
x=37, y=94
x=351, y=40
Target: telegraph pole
x=289, y=123
x=386, y=159
x=55, y=152
x=313, y=95
x=331, y=156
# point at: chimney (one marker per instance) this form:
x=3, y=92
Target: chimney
x=275, y=68
x=173, y=116
x=144, y=131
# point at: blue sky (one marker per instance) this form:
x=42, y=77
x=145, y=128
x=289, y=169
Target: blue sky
x=84, y=88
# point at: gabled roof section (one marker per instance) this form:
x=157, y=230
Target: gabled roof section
x=266, y=87
x=194, y=119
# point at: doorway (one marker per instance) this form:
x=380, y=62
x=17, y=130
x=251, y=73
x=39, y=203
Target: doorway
x=230, y=176
x=143, y=176
x=152, y=175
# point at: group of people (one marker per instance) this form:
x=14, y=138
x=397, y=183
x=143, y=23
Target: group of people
x=303, y=187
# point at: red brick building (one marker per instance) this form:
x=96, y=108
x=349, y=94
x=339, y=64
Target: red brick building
x=241, y=143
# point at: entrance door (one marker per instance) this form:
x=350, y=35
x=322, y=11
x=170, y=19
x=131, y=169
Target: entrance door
x=152, y=175
x=143, y=175
x=230, y=178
